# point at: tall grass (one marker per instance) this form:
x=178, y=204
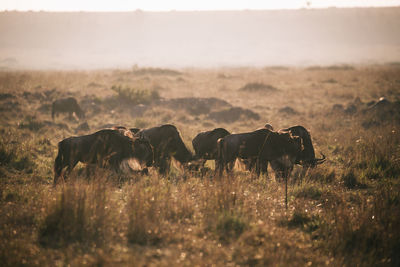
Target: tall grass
x=367, y=234
x=81, y=214
x=343, y=212
x=154, y=205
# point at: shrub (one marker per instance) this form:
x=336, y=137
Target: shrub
x=154, y=71
x=13, y=155
x=133, y=96
x=310, y=191
x=255, y=87
x=350, y=180
x=229, y=226
x=303, y=220
x=31, y=123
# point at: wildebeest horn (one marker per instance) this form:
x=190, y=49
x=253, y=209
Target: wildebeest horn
x=321, y=160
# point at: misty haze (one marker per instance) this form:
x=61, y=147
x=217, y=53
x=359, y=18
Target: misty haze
x=202, y=39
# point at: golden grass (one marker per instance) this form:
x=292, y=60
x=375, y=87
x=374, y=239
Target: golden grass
x=344, y=212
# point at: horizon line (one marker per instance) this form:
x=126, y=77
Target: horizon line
x=196, y=10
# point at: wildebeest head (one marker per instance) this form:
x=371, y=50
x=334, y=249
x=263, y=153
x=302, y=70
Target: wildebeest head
x=307, y=156
x=278, y=144
x=143, y=151
x=181, y=154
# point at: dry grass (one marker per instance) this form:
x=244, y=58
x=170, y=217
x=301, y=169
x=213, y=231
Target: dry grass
x=344, y=212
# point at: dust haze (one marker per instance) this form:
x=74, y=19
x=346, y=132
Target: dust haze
x=82, y=40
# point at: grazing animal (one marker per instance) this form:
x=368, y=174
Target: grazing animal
x=67, y=105
x=251, y=162
x=263, y=145
x=167, y=143
x=306, y=157
x=106, y=148
x=205, y=144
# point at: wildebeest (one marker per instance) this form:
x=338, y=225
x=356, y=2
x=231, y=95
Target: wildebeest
x=67, y=105
x=205, y=144
x=250, y=163
x=106, y=148
x=167, y=143
x=263, y=145
x=306, y=157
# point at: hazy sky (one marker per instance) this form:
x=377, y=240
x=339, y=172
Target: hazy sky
x=163, y=5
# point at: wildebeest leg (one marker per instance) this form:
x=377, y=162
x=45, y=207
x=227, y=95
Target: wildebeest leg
x=264, y=168
x=219, y=167
x=90, y=170
x=58, y=167
x=70, y=166
x=164, y=166
x=229, y=167
x=286, y=199
x=258, y=166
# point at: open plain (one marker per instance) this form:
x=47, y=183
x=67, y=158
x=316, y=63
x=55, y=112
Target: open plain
x=345, y=212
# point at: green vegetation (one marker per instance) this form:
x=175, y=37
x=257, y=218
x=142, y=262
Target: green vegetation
x=135, y=96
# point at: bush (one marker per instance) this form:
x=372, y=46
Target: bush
x=256, y=87
x=350, y=181
x=310, y=191
x=229, y=226
x=31, y=123
x=133, y=96
x=14, y=156
x=155, y=71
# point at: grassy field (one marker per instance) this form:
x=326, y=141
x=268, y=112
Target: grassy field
x=344, y=212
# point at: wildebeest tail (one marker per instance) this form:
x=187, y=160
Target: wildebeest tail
x=58, y=163
x=219, y=162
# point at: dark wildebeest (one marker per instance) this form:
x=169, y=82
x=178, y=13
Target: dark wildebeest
x=251, y=162
x=306, y=157
x=167, y=143
x=205, y=144
x=106, y=148
x=263, y=145
x=67, y=105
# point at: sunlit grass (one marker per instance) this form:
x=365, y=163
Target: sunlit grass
x=343, y=212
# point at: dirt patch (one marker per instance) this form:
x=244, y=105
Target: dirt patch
x=258, y=87
x=233, y=114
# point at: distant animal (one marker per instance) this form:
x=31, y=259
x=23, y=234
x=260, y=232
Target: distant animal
x=106, y=148
x=305, y=157
x=67, y=105
x=167, y=143
x=263, y=145
x=205, y=144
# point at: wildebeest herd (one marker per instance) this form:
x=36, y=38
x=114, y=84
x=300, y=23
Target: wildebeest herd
x=156, y=146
